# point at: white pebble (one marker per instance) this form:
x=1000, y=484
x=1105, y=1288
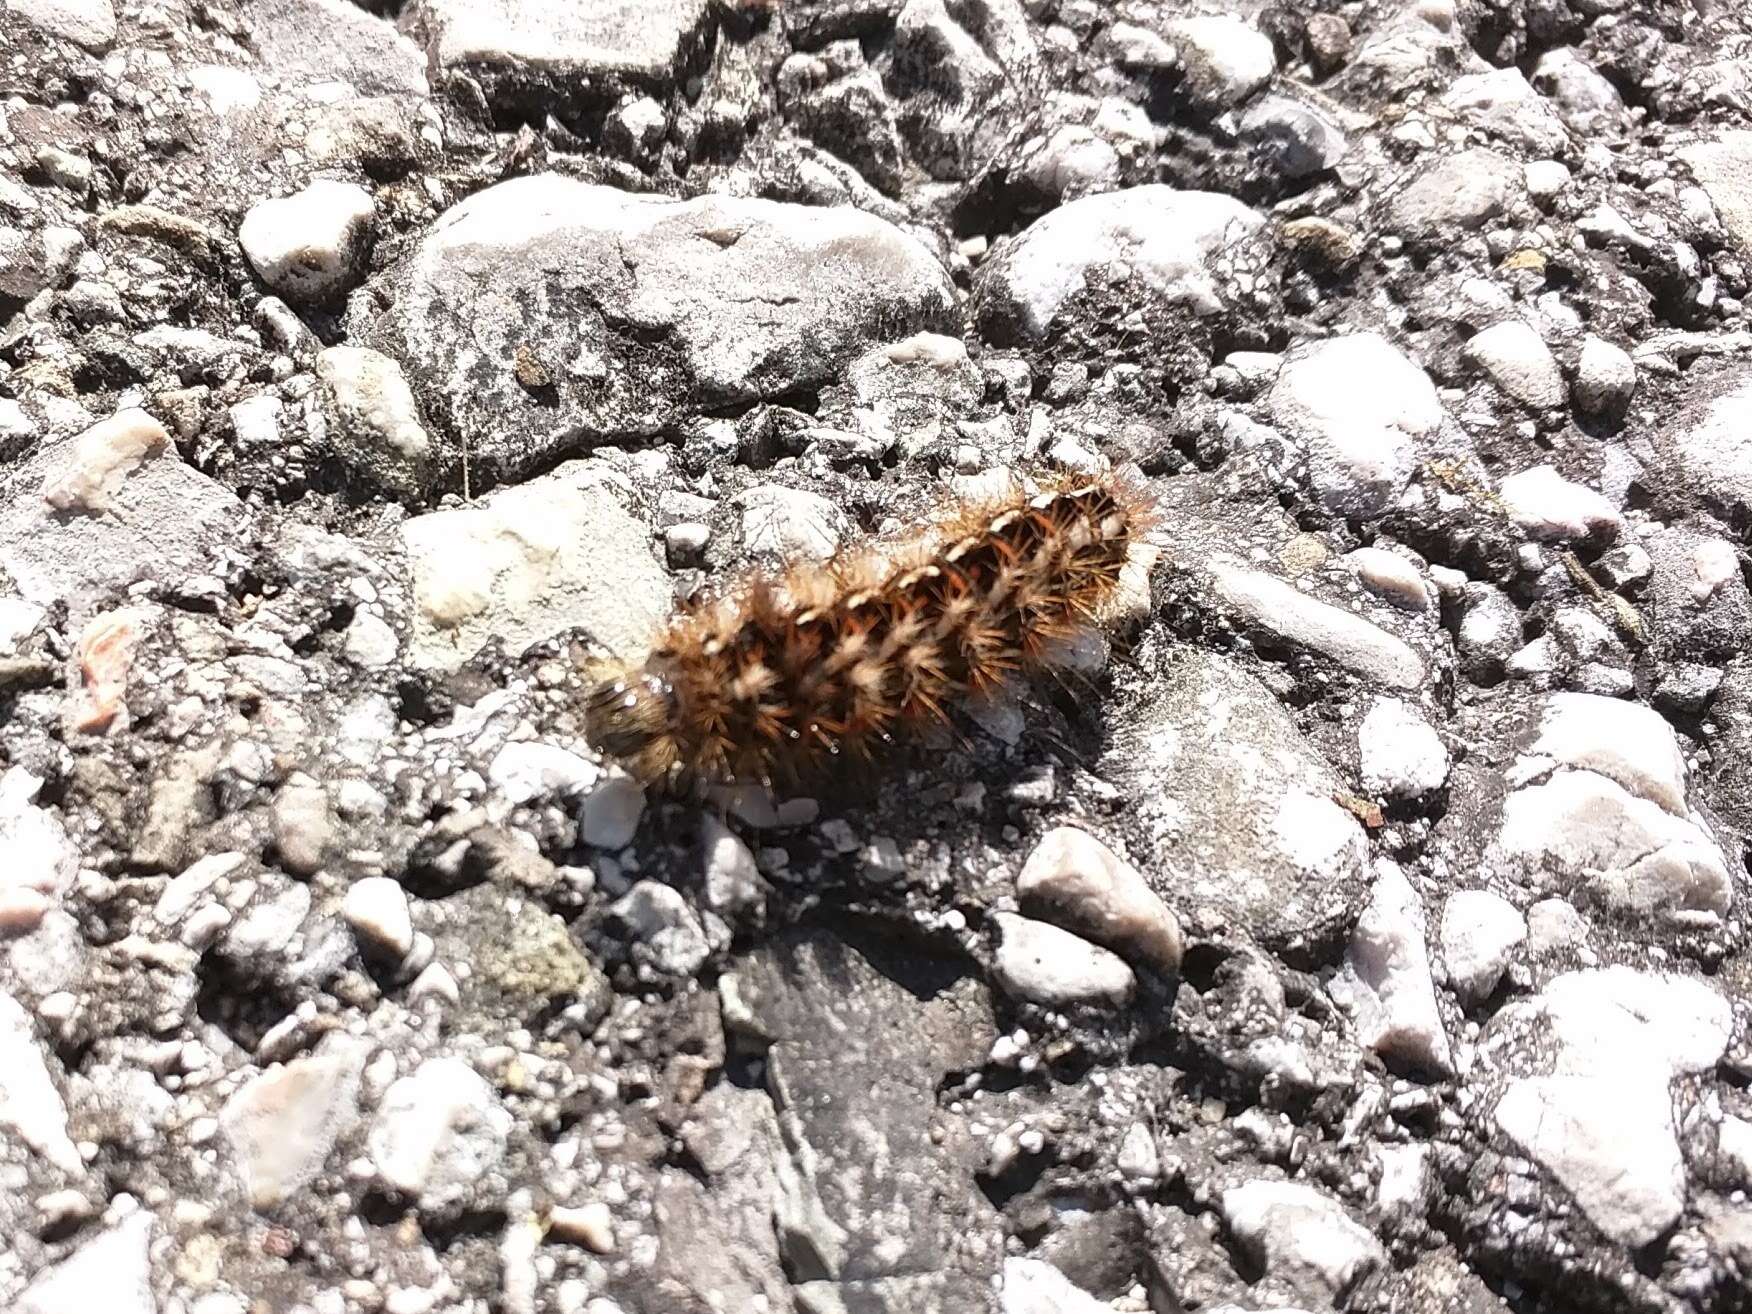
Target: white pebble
x=309, y=246
x=1480, y=933
x=1401, y=755
x=377, y=910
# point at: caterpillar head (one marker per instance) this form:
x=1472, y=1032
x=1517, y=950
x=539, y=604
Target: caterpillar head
x=631, y=717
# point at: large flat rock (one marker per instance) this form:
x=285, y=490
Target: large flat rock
x=879, y=1184
x=554, y=554
x=1712, y=443
x=545, y=314
x=644, y=38
x=162, y=522
x=1237, y=809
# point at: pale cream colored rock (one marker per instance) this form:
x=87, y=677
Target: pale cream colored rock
x=590, y=1225
x=106, y=656
x=103, y=456
x=1390, y=576
x=282, y=1124
x=1075, y=880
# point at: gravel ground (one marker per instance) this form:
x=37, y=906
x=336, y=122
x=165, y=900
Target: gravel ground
x=1361, y=928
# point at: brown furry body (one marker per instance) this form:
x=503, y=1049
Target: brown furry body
x=781, y=673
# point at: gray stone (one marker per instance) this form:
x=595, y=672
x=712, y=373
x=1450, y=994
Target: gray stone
x=1296, y=136
x=30, y=1105
x=162, y=521
x=304, y=826
x=1301, y=1235
x=529, y=769
x=1133, y=46
x=1699, y=595
x=1414, y=46
x=874, y=1184
x=1546, y=180
x=1713, y=444
x=439, y=1131
x=1601, y=1121
x=1236, y=808
x=1625, y=566
x=1072, y=162
x=1687, y=688
x=264, y=933
x=370, y=641
x=87, y=23
x=39, y=861
x=1503, y=103
x=717, y=1241
x=1582, y=826
x=103, y=458
x=1490, y=630
x=1385, y=983
x=648, y=39
x=374, y=134
x=1268, y=604
x=637, y=126
x=845, y=111
x=1550, y=508
x=954, y=65
x=1226, y=58
x=1465, y=190
x=373, y=424
x=1584, y=98
x=1074, y=879
x=1605, y=378
x=320, y=41
x=612, y=810
x=789, y=523
x=732, y=879
x=512, y=858
x=1167, y=238
x=1039, y=962
x=665, y=928
x=1554, y=925
x=544, y=314
x=26, y=269
x=1517, y=360
x=1391, y=576
x=1606, y=804
x=1032, y=1286
x=523, y=961
x=914, y=388
x=282, y=1124
x=553, y=554
x=1626, y=742
x=310, y=247
x=1480, y=933
x=196, y=886
x=1723, y=168
x=255, y=421
x=376, y=907
x=1360, y=410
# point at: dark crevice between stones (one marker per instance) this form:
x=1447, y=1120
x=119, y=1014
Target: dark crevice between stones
x=241, y=1005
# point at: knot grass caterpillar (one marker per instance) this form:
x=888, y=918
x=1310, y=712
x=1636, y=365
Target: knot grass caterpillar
x=780, y=673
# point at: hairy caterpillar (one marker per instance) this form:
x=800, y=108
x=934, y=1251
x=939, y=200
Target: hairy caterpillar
x=780, y=673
